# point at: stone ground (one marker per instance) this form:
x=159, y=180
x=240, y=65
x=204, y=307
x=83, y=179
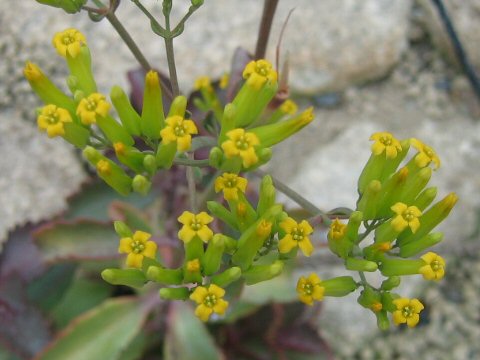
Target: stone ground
x=377, y=56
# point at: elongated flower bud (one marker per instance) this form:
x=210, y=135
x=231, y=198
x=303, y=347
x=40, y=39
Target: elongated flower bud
x=129, y=277
x=415, y=247
x=114, y=131
x=259, y=273
x=339, y=286
x=360, y=265
x=213, y=256
x=165, y=276
x=128, y=115
x=122, y=229
x=392, y=267
x=178, y=293
x=153, y=117
x=227, y=277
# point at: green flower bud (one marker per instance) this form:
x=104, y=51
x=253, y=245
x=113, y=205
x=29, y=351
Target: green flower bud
x=259, y=273
x=370, y=299
x=354, y=222
x=372, y=171
x=266, y=197
x=391, y=283
x=114, y=131
x=69, y=6
x=46, y=90
x=415, y=247
x=178, y=107
x=165, y=276
x=128, y=115
x=213, y=256
x=220, y=212
x=392, y=267
x=129, y=277
x=194, y=249
x=360, y=265
x=339, y=286
x=391, y=192
x=197, y=3
x=425, y=198
x=108, y=171
x=76, y=134
x=72, y=83
x=179, y=293
x=150, y=164
x=387, y=301
x=153, y=118
x=166, y=155
x=369, y=200
x=415, y=184
x=122, y=229
x=430, y=218
x=382, y=320
x=252, y=239
x=141, y=184
x=243, y=211
x=129, y=156
x=272, y=134
x=227, y=277
x=215, y=157
x=81, y=67
x=227, y=123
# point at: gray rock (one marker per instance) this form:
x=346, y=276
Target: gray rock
x=37, y=174
x=465, y=16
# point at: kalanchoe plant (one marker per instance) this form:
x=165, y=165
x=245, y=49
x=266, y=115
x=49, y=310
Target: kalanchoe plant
x=241, y=240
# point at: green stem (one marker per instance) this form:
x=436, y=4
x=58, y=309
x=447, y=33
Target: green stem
x=269, y=8
x=171, y=58
x=192, y=190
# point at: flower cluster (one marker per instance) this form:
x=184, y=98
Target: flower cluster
x=394, y=202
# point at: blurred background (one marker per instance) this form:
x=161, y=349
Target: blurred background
x=366, y=66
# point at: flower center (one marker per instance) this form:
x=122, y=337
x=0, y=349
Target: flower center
x=386, y=140
x=297, y=234
x=52, y=117
x=429, y=152
x=210, y=300
x=231, y=183
x=91, y=105
x=308, y=289
x=408, y=312
x=242, y=143
x=137, y=247
x=408, y=215
x=196, y=225
x=179, y=129
x=68, y=39
x=436, y=265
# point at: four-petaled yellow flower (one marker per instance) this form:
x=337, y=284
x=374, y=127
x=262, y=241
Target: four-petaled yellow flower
x=408, y=311
x=384, y=141
x=426, y=154
x=209, y=301
x=69, y=42
x=203, y=82
x=195, y=225
x=296, y=235
x=288, y=107
x=310, y=289
x=137, y=247
x=52, y=120
x=243, y=144
x=257, y=73
x=337, y=230
x=91, y=107
x=180, y=130
x=434, y=268
x=406, y=216
x=231, y=184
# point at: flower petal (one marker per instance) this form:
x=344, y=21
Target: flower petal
x=134, y=260
x=306, y=246
x=286, y=244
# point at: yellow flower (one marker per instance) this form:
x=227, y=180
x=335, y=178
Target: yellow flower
x=288, y=107
x=406, y=216
x=103, y=167
x=407, y=311
x=337, y=230
x=137, y=247
x=52, y=120
x=69, y=42
x=195, y=225
x=384, y=141
x=434, y=268
x=224, y=81
x=296, y=235
x=209, y=300
x=426, y=154
x=193, y=265
x=203, y=82
x=257, y=73
x=310, y=289
x=91, y=107
x=230, y=184
x=180, y=130
x=241, y=143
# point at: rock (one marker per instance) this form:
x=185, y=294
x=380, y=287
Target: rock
x=465, y=16
x=38, y=174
